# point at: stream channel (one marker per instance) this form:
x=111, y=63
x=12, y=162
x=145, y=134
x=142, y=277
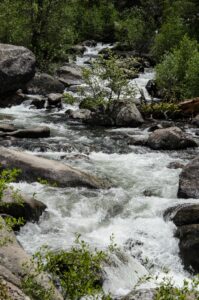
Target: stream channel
x=132, y=210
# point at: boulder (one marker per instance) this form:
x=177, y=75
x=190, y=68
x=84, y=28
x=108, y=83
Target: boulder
x=44, y=84
x=55, y=100
x=33, y=133
x=80, y=114
x=189, y=246
x=11, y=99
x=175, y=165
x=153, y=90
x=7, y=128
x=34, y=167
x=186, y=215
x=38, y=101
x=189, y=180
x=190, y=107
x=118, y=113
x=17, y=67
x=172, y=138
x=18, y=205
x=142, y=294
x=77, y=49
x=70, y=74
x=89, y=43
x=13, y=259
x=125, y=113
x=195, y=121
x=10, y=291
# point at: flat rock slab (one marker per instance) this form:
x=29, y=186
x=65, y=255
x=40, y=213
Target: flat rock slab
x=189, y=180
x=55, y=172
x=33, y=133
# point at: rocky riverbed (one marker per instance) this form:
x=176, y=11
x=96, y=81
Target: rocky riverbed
x=134, y=179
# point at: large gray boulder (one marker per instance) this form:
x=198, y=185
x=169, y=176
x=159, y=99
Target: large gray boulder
x=118, y=113
x=125, y=113
x=17, y=67
x=44, y=84
x=34, y=167
x=70, y=74
x=189, y=180
x=172, y=138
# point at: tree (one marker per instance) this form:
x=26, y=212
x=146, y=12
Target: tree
x=177, y=74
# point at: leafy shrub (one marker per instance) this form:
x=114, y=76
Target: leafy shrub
x=168, y=291
x=78, y=270
x=107, y=81
x=172, y=74
x=159, y=107
x=68, y=98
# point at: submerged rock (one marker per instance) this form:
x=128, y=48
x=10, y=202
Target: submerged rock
x=189, y=180
x=55, y=172
x=172, y=138
x=17, y=67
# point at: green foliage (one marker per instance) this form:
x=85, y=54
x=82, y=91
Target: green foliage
x=68, y=98
x=169, y=36
x=132, y=30
x=35, y=290
x=93, y=103
x=95, y=20
x=6, y=177
x=172, y=74
x=4, y=294
x=168, y=291
x=78, y=271
x=107, y=81
x=46, y=182
x=161, y=107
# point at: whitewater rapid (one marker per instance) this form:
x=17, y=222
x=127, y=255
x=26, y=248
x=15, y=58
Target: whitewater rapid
x=143, y=187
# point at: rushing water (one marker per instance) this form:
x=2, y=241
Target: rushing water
x=132, y=210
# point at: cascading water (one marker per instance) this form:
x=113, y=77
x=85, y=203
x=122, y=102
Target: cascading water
x=132, y=210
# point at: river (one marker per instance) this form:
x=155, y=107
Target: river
x=132, y=210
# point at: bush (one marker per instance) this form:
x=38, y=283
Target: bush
x=168, y=291
x=77, y=271
x=107, y=82
x=178, y=73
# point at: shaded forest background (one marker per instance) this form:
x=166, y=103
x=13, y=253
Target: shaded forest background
x=167, y=30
